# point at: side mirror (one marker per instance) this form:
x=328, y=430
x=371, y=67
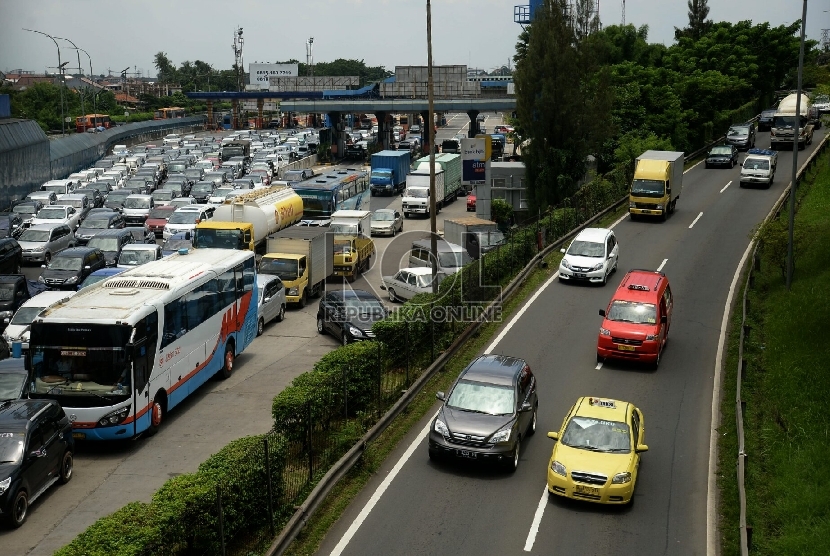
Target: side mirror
x=664, y=319
x=43, y=266
x=602, y=312
x=553, y=435
x=87, y=267
x=562, y=250
x=266, y=299
x=440, y=396
x=641, y=448
x=526, y=407
x=383, y=287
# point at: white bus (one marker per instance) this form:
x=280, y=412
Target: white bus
x=122, y=353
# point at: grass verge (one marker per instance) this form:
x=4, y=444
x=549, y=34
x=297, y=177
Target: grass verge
x=345, y=491
x=786, y=385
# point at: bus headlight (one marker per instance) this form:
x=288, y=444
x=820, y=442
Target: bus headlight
x=116, y=417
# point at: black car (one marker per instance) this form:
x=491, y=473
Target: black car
x=11, y=256
x=202, y=190
x=741, y=135
x=36, y=451
x=11, y=224
x=111, y=242
x=765, y=120
x=722, y=155
x=349, y=314
x=14, y=383
x=71, y=266
x=115, y=200
x=487, y=413
x=97, y=221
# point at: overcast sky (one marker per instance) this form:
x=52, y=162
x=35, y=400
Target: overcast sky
x=478, y=33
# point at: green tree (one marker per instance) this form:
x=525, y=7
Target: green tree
x=166, y=69
x=563, y=100
x=698, y=24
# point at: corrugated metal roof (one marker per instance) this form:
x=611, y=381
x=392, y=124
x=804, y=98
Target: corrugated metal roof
x=16, y=134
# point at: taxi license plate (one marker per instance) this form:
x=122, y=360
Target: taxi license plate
x=582, y=489
x=626, y=348
x=467, y=454
x=645, y=211
x=79, y=435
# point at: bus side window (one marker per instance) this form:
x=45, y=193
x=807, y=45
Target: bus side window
x=248, y=275
x=237, y=270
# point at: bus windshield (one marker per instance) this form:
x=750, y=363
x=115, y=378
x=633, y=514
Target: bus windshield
x=217, y=239
x=88, y=361
x=316, y=204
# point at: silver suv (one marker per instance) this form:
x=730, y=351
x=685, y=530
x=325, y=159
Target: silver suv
x=41, y=241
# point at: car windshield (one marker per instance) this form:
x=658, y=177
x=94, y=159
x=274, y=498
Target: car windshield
x=56, y=188
x=6, y=292
x=648, y=188
x=597, y=435
x=160, y=213
x=49, y=213
x=96, y=223
x=756, y=164
x=35, y=235
x=453, y=259
x=633, y=312
x=223, y=191
x=480, y=397
x=163, y=194
x=104, y=243
x=383, y=216
x=24, y=209
x=135, y=257
x=726, y=151
x=586, y=249
x=11, y=443
x=202, y=188
x=418, y=193
x=184, y=217
x=25, y=315
x=364, y=306
x=286, y=269
x=136, y=203
x=738, y=131
x=66, y=263
x=176, y=244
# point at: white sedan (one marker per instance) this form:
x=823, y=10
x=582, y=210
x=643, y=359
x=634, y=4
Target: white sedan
x=58, y=214
x=409, y=282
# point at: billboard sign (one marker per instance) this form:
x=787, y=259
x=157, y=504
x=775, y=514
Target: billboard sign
x=473, y=161
x=261, y=73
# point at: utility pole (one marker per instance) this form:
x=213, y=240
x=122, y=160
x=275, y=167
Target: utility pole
x=309, y=56
x=92, y=80
x=796, y=133
x=60, y=65
x=81, y=71
x=124, y=86
x=433, y=236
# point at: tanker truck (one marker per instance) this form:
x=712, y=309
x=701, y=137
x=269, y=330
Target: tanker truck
x=245, y=221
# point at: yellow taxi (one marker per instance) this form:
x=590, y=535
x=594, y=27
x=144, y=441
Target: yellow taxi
x=597, y=451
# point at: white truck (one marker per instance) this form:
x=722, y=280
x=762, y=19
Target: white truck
x=784, y=122
x=476, y=235
x=758, y=168
x=416, y=194
x=302, y=257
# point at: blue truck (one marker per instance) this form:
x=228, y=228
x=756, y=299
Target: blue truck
x=389, y=170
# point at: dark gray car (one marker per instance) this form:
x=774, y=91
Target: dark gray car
x=487, y=413
x=349, y=315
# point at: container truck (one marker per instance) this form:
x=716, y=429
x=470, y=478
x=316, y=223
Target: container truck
x=451, y=164
x=353, y=245
x=781, y=133
x=303, y=258
x=476, y=235
x=245, y=221
x=658, y=180
x=758, y=168
x=240, y=147
x=389, y=170
x=447, y=184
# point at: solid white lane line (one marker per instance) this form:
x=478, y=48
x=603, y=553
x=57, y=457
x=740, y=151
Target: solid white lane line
x=659, y=268
x=725, y=186
x=695, y=221
x=599, y=366
x=518, y=315
x=364, y=513
x=537, y=520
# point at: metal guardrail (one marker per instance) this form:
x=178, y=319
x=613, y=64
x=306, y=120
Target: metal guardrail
x=746, y=530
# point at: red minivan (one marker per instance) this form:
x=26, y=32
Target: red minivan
x=637, y=320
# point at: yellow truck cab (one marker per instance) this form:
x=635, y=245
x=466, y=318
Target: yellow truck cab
x=302, y=257
x=658, y=180
x=245, y=221
x=353, y=246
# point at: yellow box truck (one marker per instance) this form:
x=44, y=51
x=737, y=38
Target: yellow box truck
x=658, y=180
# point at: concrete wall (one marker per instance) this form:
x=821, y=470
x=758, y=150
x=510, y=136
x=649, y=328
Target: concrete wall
x=24, y=160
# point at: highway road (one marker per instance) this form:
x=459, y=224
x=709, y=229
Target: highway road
x=415, y=506
x=107, y=476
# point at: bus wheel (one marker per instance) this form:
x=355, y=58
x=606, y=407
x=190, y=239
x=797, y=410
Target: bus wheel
x=156, y=415
x=227, y=369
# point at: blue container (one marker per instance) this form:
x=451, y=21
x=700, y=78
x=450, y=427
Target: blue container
x=5, y=107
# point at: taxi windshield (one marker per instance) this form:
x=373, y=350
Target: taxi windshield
x=597, y=435
x=633, y=312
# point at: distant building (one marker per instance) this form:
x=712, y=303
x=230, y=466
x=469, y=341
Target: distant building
x=507, y=181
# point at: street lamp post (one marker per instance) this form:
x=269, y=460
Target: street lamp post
x=63, y=123
x=81, y=71
x=92, y=80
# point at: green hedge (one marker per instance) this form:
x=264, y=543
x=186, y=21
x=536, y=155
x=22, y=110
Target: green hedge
x=183, y=515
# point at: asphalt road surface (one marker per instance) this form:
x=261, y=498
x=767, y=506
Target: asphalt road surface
x=414, y=506
x=107, y=476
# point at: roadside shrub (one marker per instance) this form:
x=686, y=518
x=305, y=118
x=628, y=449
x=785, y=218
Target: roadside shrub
x=131, y=531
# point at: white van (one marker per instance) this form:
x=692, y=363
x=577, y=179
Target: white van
x=451, y=257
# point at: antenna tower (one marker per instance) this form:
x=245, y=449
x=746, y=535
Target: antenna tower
x=623, y=13
x=238, y=42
